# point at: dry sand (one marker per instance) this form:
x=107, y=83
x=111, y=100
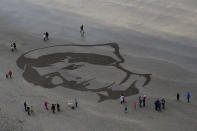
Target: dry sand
x=154, y=37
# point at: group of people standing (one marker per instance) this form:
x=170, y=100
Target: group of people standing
x=28, y=109
x=13, y=47
x=160, y=104
x=45, y=36
x=142, y=101
x=9, y=74
x=122, y=101
x=54, y=107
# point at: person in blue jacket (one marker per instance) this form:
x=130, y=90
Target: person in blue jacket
x=188, y=97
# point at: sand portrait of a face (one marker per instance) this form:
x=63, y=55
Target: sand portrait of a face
x=95, y=68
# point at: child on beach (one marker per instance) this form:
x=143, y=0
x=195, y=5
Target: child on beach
x=31, y=109
x=126, y=109
x=134, y=105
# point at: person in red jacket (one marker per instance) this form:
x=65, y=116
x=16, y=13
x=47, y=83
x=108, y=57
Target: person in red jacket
x=123, y=99
x=144, y=97
x=134, y=105
x=10, y=74
x=46, y=105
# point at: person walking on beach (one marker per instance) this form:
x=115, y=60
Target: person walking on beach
x=121, y=99
x=188, y=97
x=157, y=105
x=163, y=103
x=76, y=102
x=10, y=73
x=53, y=108
x=31, y=109
x=82, y=30
x=177, y=96
x=44, y=36
x=58, y=107
x=134, y=105
x=12, y=47
x=6, y=76
x=144, y=97
x=47, y=35
x=144, y=101
x=126, y=109
x=25, y=105
x=28, y=110
x=46, y=105
x=140, y=101
x=14, y=44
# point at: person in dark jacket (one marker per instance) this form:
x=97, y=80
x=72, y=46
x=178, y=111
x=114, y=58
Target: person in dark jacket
x=177, y=96
x=58, y=107
x=144, y=102
x=159, y=105
x=163, y=103
x=76, y=102
x=47, y=35
x=14, y=44
x=28, y=110
x=140, y=101
x=81, y=28
x=156, y=105
x=53, y=108
x=6, y=76
x=25, y=105
x=82, y=31
x=126, y=109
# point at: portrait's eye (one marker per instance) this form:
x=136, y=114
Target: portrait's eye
x=73, y=66
x=78, y=78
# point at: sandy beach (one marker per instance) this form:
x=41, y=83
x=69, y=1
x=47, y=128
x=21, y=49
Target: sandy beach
x=131, y=47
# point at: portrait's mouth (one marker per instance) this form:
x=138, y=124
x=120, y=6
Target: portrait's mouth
x=95, y=68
